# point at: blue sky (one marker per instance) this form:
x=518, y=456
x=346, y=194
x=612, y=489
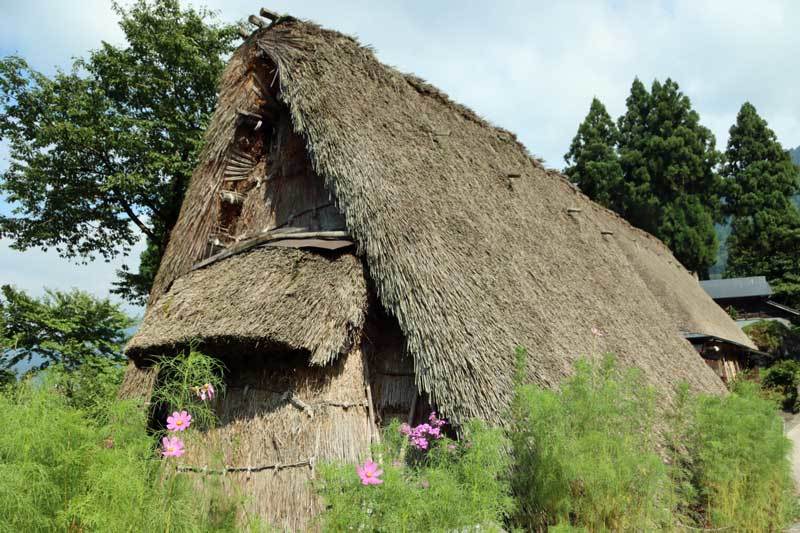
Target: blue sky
x=531, y=67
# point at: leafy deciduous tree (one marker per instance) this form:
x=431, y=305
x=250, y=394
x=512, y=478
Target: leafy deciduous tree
x=102, y=154
x=65, y=328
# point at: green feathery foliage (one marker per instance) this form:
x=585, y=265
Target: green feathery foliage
x=589, y=457
x=585, y=455
x=739, y=461
x=455, y=486
x=61, y=470
x=179, y=379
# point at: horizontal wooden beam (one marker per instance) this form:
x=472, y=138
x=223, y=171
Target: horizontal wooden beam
x=267, y=237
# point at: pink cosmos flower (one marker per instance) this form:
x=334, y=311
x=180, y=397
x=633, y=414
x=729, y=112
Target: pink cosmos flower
x=369, y=473
x=179, y=421
x=172, y=447
x=206, y=392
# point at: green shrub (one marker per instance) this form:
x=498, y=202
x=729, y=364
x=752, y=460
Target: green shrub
x=777, y=339
x=61, y=470
x=179, y=378
x=784, y=377
x=585, y=455
x=90, y=387
x=739, y=461
x=451, y=487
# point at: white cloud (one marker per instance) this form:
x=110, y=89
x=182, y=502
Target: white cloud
x=530, y=67
x=35, y=269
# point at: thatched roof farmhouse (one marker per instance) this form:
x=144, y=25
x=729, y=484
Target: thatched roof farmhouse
x=356, y=246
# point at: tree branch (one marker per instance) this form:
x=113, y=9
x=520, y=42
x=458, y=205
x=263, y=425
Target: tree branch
x=136, y=220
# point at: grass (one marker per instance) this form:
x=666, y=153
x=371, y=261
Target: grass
x=73, y=458
x=452, y=487
x=602, y=453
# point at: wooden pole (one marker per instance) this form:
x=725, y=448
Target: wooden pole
x=370, y=406
x=267, y=14
x=256, y=21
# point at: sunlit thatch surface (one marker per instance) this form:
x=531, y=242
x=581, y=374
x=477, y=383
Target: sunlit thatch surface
x=472, y=245
x=265, y=299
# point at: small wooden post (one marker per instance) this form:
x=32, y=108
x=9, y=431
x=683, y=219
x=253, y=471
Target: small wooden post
x=267, y=14
x=256, y=21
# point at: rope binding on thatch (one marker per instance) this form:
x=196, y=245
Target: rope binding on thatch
x=249, y=469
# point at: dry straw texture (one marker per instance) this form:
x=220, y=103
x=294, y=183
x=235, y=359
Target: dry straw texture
x=273, y=297
x=283, y=440
x=468, y=239
x=470, y=243
x=138, y=382
x=688, y=306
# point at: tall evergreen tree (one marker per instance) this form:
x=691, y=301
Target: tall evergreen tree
x=760, y=180
x=759, y=174
x=593, y=160
x=668, y=158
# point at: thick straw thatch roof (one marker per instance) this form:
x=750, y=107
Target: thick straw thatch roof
x=294, y=299
x=471, y=244
x=689, y=307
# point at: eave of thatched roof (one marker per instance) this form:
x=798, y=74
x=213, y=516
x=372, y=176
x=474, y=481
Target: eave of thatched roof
x=688, y=306
x=471, y=244
x=282, y=297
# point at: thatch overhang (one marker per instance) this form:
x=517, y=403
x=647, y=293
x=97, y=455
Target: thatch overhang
x=686, y=303
x=262, y=300
x=470, y=244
